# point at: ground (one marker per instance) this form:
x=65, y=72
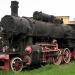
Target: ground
x=64, y=69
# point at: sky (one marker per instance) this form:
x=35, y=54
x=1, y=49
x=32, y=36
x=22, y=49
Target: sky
x=51, y=7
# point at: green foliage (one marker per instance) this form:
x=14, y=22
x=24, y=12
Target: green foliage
x=64, y=69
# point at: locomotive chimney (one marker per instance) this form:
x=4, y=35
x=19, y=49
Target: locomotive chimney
x=14, y=8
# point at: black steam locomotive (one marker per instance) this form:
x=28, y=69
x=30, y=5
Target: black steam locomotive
x=28, y=40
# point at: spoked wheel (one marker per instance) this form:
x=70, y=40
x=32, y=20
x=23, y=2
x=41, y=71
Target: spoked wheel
x=66, y=55
x=16, y=64
x=58, y=58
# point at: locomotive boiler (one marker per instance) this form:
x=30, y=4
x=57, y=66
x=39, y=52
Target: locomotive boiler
x=26, y=41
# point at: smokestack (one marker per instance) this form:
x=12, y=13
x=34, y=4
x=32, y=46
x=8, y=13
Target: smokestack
x=14, y=8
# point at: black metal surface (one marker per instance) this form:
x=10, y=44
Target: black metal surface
x=40, y=28
x=46, y=18
x=14, y=8
x=40, y=25
x=15, y=25
x=18, y=25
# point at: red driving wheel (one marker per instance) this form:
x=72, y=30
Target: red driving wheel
x=66, y=55
x=58, y=58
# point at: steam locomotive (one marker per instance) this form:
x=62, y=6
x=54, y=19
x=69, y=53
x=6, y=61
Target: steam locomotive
x=26, y=41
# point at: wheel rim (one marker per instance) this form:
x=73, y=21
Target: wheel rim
x=16, y=64
x=66, y=55
x=57, y=59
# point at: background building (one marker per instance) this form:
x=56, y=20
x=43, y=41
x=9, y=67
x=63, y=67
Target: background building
x=66, y=19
